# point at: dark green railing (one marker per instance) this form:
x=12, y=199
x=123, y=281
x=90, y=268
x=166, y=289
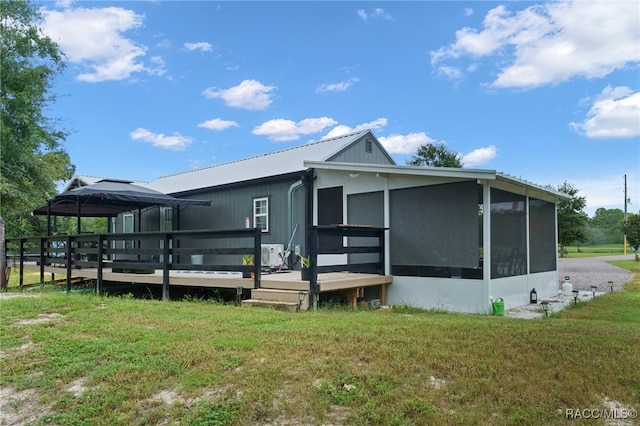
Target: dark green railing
x=140, y=251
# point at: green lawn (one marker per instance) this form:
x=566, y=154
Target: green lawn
x=596, y=250
x=81, y=359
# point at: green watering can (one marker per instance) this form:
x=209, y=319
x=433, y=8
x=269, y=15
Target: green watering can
x=498, y=307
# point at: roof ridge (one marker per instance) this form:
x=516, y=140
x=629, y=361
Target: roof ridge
x=267, y=154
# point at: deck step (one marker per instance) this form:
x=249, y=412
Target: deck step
x=275, y=294
x=283, y=306
x=281, y=296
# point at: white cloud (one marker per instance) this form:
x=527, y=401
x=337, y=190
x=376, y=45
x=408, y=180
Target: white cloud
x=552, y=42
x=337, y=87
x=615, y=113
x=479, y=156
x=249, y=94
x=405, y=144
x=175, y=142
x=343, y=129
x=93, y=38
x=281, y=130
x=468, y=11
x=217, y=124
x=452, y=73
x=64, y=3
x=202, y=46
x=374, y=13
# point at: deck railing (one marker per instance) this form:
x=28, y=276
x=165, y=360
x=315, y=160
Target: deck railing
x=140, y=252
x=364, y=247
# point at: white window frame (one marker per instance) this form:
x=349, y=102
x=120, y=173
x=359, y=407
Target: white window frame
x=256, y=205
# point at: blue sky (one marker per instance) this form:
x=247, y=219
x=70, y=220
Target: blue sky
x=544, y=91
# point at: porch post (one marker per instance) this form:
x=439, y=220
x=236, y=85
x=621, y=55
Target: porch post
x=486, y=241
x=48, y=218
x=78, y=226
x=257, y=251
x=42, y=258
x=21, y=264
x=99, y=284
x=165, y=268
x=69, y=262
x=314, y=291
x=310, y=238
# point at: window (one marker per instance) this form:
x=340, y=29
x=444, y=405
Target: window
x=261, y=213
x=368, y=146
x=127, y=226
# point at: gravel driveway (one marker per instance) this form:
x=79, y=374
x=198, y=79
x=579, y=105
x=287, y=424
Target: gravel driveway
x=588, y=271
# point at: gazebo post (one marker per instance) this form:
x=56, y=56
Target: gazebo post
x=78, y=227
x=49, y=218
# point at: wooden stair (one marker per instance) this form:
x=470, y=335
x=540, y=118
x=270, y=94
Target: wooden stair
x=287, y=300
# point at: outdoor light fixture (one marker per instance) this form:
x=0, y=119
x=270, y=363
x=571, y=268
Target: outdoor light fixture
x=575, y=297
x=611, y=286
x=239, y=294
x=593, y=290
x=545, y=307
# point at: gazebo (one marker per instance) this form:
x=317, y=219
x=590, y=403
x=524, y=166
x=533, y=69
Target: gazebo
x=108, y=198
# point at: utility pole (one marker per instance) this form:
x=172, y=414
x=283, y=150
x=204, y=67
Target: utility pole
x=624, y=244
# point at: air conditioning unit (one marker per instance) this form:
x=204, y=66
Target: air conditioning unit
x=272, y=255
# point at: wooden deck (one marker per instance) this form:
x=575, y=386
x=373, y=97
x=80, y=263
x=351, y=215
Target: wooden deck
x=287, y=280
x=217, y=249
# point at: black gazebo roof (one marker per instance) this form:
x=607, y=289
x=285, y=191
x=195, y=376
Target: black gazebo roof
x=108, y=198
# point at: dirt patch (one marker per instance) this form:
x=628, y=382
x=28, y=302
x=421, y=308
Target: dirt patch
x=169, y=397
x=40, y=319
x=14, y=295
x=437, y=383
x=15, y=351
x=18, y=408
x=77, y=387
x=618, y=414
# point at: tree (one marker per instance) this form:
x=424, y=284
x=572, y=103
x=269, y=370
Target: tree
x=33, y=158
x=435, y=155
x=572, y=220
x=631, y=228
x=604, y=226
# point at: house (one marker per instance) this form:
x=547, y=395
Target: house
x=455, y=238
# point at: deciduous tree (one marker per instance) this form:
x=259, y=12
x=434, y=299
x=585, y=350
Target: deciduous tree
x=33, y=158
x=631, y=228
x=572, y=220
x=604, y=226
x=435, y=155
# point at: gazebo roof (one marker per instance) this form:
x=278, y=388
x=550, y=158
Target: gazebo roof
x=108, y=198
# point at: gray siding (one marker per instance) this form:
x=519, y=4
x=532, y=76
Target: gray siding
x=229, y=208
x=357, y=153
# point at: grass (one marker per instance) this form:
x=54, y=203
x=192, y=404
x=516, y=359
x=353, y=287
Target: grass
x=115, y=360
x=596, y=250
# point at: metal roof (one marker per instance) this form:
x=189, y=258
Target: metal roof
x=276, y=163
x=446, y=172
x=84, y=180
